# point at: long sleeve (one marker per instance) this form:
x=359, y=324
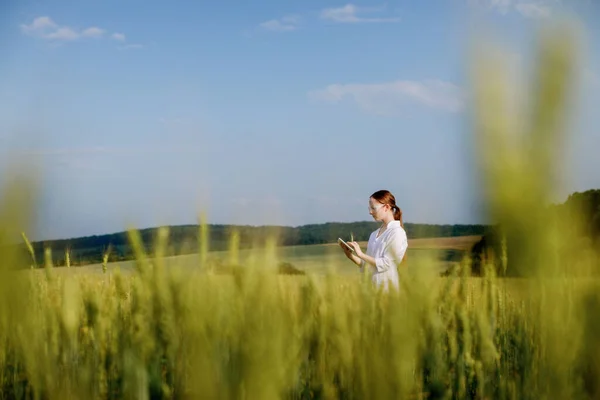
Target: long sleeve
x=393, y=252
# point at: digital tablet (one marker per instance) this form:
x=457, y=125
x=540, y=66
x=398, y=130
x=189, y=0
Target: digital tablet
x=340, y=240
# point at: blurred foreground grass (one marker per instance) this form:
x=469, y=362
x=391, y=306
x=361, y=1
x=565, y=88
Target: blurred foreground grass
x=168, y=332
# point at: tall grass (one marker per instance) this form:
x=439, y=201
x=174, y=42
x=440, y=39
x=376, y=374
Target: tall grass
x=174, y=333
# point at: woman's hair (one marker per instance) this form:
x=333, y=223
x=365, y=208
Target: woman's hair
x=385, y=197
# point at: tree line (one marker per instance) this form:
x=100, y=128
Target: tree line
x=184, y=239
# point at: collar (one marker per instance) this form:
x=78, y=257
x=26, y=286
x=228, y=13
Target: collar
x=394, y=223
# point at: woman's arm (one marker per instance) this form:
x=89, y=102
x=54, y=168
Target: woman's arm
x=372, y=262
x=392, y=256
x=362, y=256
x=353, y=257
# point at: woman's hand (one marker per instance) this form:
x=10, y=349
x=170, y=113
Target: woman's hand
x=347, y=251
x=357, y=249
x=356, y=260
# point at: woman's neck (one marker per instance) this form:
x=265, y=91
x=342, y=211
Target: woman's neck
x=385, y=221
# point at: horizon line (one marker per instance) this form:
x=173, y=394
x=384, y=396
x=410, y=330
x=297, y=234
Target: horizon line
x=250, y=226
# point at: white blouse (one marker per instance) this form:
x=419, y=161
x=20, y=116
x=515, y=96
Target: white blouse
x=388, y=251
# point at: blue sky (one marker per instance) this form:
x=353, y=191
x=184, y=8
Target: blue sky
x=148, y=112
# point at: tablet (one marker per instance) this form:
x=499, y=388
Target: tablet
x=340, y=240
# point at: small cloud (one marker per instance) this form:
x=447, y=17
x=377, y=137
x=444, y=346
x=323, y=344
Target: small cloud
x=389, y=97
x=94, y=32
x=64, y=33
x=39, y=24
x=352, y=14
x=47, y=29
x=118, y=36
x=343, y=14
x=533, y=10
x=285, y=24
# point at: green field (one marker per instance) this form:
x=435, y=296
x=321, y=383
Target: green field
x=316, y=259
x=160, y=331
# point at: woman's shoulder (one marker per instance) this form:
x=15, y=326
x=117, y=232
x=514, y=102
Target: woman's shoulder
x=397, y=231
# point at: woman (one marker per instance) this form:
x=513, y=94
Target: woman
x=387, y=245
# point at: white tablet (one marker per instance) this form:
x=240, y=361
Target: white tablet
x=340, y=240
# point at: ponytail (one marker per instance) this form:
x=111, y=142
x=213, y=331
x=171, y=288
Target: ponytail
x=398, y=215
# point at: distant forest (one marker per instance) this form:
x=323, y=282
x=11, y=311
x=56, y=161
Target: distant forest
x=183, y=239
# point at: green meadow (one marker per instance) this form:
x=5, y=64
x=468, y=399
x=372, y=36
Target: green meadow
x=319, y=259
x=227, y=325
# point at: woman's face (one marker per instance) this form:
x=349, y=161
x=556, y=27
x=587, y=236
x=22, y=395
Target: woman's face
x=376, y=209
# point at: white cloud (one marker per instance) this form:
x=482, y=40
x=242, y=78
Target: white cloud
x=388, y=98
x=94, y=32
x=39, y=24
x=118, y=36
x=63, y=33
x=352, y=14
x=46, y=28
x=533, y=10
x=285, y=24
